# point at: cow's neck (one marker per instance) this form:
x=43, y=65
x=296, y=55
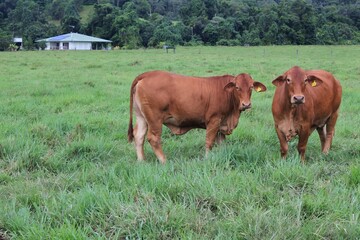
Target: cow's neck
x=232, y=119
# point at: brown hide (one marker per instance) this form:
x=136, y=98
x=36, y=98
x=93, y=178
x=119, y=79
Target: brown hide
x=305, y=101
x=182, y=103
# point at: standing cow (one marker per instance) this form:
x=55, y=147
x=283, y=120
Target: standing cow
x=305, y=101
x=182, y=103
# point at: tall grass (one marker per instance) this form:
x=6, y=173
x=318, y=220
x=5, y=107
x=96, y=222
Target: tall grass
x=67, y=171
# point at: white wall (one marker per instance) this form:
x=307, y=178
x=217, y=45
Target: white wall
x=49, y=46
x=72, y=46
x=80, y=46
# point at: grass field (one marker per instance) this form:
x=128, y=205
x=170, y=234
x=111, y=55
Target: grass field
x=67, y=171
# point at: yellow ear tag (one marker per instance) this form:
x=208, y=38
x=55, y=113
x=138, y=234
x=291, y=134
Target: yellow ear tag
x=313, y=83
x=258, y=89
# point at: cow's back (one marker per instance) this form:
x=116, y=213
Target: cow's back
x=178, y=94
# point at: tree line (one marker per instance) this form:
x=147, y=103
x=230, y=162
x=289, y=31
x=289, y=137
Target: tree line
x=152, y=23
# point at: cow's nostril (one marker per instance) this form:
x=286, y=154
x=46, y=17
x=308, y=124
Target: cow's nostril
x=299, y=99
x=246, y=105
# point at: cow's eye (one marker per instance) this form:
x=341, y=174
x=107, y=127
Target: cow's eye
x=288, y=80
x=237, y=88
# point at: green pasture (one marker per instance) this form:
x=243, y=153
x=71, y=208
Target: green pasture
x=68, y=172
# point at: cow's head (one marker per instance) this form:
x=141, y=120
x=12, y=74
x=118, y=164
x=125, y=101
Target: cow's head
x=242, y=86
x=296, y=81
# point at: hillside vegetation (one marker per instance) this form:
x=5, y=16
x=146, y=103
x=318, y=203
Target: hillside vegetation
x=68, y=172
x=149, y=23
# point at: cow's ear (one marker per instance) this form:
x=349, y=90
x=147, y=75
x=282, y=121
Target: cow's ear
x=259, y=87
x=230, y=86
x=278, y=81
x=314, y=81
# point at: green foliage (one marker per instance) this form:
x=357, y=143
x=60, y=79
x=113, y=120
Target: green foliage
x=144, y=23
x=70, y=24
x=126, y=25
x=57, y=9
x=169, y=33
x=101, y=24
x=13, y=47
x=5, y=40
x=219, y=28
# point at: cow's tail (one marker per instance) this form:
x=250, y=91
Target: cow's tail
x=132, y=92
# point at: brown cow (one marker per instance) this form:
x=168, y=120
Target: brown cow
x=182, y=103
x=305, y=101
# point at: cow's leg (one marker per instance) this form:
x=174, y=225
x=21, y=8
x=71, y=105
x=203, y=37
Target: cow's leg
x=303, y=140
x=139, y=134
x=220, y=137
x=330, y=131
x=284, y=147
x=212, y=128
x=154, y=138
x=322, y=134
x=140, y=130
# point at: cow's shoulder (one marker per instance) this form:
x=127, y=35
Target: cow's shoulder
x=327, y=78
x=322, y=74
x=225, y=78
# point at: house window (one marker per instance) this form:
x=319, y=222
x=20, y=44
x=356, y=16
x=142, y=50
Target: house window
x=54, y=46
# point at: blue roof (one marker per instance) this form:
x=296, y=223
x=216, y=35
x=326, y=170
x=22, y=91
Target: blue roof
x=59, y=38
x=73, y=37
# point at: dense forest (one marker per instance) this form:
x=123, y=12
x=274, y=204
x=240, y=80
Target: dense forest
x=151, y=23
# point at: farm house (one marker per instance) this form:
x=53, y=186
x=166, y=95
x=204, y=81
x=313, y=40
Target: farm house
x=75, y=41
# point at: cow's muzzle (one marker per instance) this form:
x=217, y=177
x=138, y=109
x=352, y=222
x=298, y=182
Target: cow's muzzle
x=245, y=106
x=298, y=99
